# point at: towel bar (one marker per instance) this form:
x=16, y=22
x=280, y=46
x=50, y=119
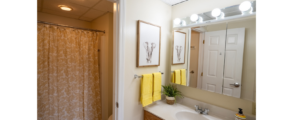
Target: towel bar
x=136, y=76
x=173, y=71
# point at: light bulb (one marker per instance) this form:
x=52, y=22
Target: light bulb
x=177, y=21
x=200, y=19
x=183, y=23
x=245, y=6
x=65, y=8
x=216, y=12
x=194, y=17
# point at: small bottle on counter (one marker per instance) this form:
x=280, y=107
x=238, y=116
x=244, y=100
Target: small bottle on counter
x=240, y=115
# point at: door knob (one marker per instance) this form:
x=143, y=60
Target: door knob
x=236, y=84
x=192, y=72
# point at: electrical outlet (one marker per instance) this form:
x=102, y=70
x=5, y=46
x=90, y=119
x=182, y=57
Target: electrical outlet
x=254, y=108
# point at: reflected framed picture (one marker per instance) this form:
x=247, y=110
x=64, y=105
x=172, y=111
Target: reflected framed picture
x=179, y=44
x=148, y=45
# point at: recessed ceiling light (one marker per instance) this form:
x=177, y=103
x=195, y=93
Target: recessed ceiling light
x=65, y=8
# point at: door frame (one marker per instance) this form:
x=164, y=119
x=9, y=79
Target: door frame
x=200, y=57
x=118, y=59
x=188, y=56
x=200, y=60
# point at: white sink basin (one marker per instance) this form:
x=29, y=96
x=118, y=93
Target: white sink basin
x=186, y=115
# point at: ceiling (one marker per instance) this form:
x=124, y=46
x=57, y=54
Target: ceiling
x=173, y=2
x=86, y=10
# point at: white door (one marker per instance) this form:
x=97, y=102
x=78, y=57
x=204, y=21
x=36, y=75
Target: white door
x=233, y=61
x=214, y=47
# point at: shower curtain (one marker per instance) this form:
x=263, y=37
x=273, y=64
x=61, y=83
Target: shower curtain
x=68, y=85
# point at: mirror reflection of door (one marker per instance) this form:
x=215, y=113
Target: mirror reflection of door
x=213, y=64
x=233, y=62
x=223, y=61
x=194, y=52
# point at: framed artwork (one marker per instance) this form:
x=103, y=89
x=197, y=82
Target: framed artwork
x=179, y=44
x=148, y=45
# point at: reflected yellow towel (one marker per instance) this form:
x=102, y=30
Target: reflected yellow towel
x=156, y=86
x=172, y=78
x=146, y=89
x=177, y=76
x=183, y=77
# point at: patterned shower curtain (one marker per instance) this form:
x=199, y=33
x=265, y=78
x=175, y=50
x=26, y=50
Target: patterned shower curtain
x=68, y=85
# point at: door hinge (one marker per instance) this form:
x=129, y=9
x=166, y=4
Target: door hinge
x=117, y=104
x=202, y=74
x=203, y=41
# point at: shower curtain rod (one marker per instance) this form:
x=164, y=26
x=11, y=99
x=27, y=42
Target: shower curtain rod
x=71, y=26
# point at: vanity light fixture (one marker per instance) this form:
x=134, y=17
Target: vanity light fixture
x=217, y=13
x=183, y=23
x=196, y=18
x=177, y=21
x=65, y=8
x=246, y=7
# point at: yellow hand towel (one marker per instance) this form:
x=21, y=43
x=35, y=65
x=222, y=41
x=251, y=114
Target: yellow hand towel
x=177, y=76
x=146, y=89
x=172, y=78
x=156, y=86
x=183, y=77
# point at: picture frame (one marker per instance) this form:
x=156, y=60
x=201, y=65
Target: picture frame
x=148, y=44
x=178, y=47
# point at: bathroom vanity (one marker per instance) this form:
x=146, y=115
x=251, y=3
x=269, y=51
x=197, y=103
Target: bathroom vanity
x=162, y=111
x=150, y=116
x=184, y=109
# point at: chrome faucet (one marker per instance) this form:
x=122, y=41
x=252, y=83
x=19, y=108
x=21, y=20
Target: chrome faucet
x=200, y=111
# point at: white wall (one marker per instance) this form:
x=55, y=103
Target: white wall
x=155, y=12
x=62, y=20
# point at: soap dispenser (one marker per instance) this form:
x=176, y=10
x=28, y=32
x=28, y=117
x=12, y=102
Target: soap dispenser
x=240, y=115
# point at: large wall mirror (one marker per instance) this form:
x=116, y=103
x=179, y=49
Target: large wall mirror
x=221, y=58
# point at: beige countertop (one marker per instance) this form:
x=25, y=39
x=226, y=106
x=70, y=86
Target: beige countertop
x=167, y=112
